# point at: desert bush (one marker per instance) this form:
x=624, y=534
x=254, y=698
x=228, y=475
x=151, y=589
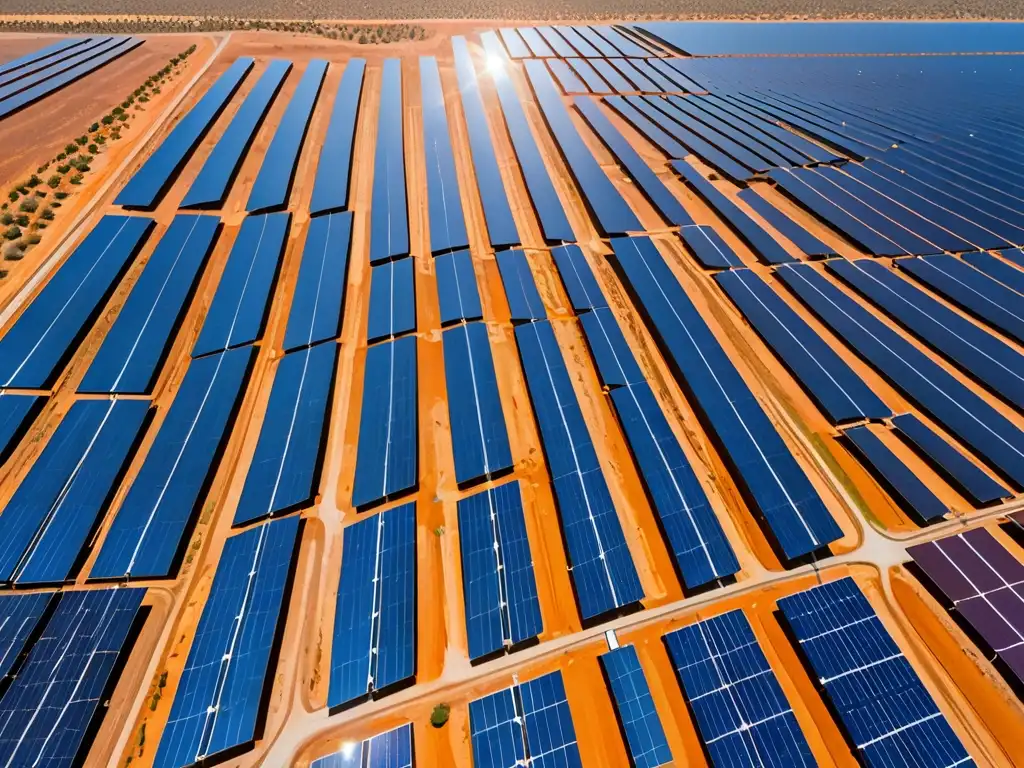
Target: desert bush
x=13, y=252
x=21, y=220
x=13, y=232
x=32, y=238
x=6, y=218
x=29, y=205
x=60, y=195
x=46, y=214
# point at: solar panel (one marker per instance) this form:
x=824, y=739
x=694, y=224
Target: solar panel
x=708, y=247
x=285, y=471
x=150, y=529
x=538, y=46
x=319, y=298
x=135, y=347
x=612, y=76
x=334, y=168
x=214, y=180
x=223, y=690
x=498, y=584
x=997, y=269
x=517, y=48
x=374, y=646
x=616, y=366
x=622, y=44
x=150, y=182
x=41, y=54
x=984, y=582
x=385, y=750
x=650, y=129
x=20, y=617
x=58, y=505
x=888, y=714
x=389, y=217
x=524, y=302
x=457, y=292
x=750, y=148
x=638, y=79
x=588, y=74
x=578, y=278
x=567, y=79
x=392, y=300
x=49, y=328
x=741, y=710
x=557, y=42
x=387, y=459
x=16, y=413
x=635, y=707
x=274, y=181
x=238, y=312
x=444, y=204
x=546, y=204
x=53, y=704
x=501, y=227
x=49, y=64
x=600, y=562
x=527, y=724
x=826, y=377
x=780, y=491
x=792, y=231
x=479, y=437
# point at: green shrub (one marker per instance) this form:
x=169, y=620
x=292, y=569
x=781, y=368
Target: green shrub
x=70, y=149
x=60, y=195
x=54, y=181
x=6, y=218
x=82, y=140
x=13, y=195
x=76, y=179
x=439, y=716
x=34, y=181
x=107, y=119
x=46, y=214
x=101, y=140
x=63, y=167
x=21, y=220
x=94, y=127
x=29, y=205
x=12, y=232
x=93, y=149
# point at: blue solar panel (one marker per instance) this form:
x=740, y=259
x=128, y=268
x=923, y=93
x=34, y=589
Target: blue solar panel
x=16, y=413
x=622, y=44
x=833, y=385
x=319, y=298
x=385, y=750
x=612, y=76
x=740, y=708
x=567, y=79
x=274, y=181
x=948, y=461
x=792, y=231
x=45, y=334
x=42, y=54
x=457, y=292
x=444, y=204
x=998, y=269
x=586, y=71
x=667, y=204
x=747, y=147
x=888, y=714
x=559, y=45
x=600, y=562
x=150, y=182
x=527, y=724
x=58, y=505
x=538, y=45
x=644, y=735
x=577, y=41
x=616, y=366
x=524, y=301
x=150, y=530
x=387, y=461
x=49, y=710
x=965, y=415
x=650, y=129
x=708, y=247
x=135, y=347
x=389, y=216
x=20, y=616
x=374, y=646
x=211, y=186
x=762, y=462
x=285, y=470
x=34, y=68
x=239, y=308
x=578, y=278
x=224, y=687
x=334, y=169
x=994, y=363
x=548, y=207
x=501, y=227
x=517, y=48
x=477, y=422
x=392, y=300
x=603, y=47
x=638, y=79
x=498, y=584
x=612, y=214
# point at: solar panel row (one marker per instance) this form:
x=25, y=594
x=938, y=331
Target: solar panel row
x=715, y=134
x=42, y=54
x=444, y=204
x=223, y=689
x=214, y=180
x=132, y=352
x=708, y=247
x=21, y=617
x=498, y=585
x=39, y=343
x=150, y=529
x=334, y=169
x=274, y=181
x=392, y=300
x=36, y=71
x=779, y=490
x=149, y=183
x=524, y=301
x=285, y=471
x=238, y=312
x=645, y=737
x=650, y=129
x=16, y=413
x=457, y=292
x=789, y=228
x=997, y=269
x=319, y=298
x=479, y=437
x=389, y=216
x=385, y=750
x=387, y=457
x=888, y=714
x=374, y=646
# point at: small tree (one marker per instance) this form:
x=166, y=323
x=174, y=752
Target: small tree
x=6, y=218
x=13, y=252
x=13, y=232
x=439, y=716
x=107, y=119
x=93, y=149
x=82, y=140
x=70, y=149
x=34, y=181
x=94, y=127
x=21, y=220
x=76, y=179
x=29, y=205
x=13, y=195
x=54, y=181
x=46, y=214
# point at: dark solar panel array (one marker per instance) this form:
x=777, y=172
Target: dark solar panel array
x=632, y=697
x=789, y=229
x=524, y=301
x=20, y=617
x=498, y=583
x=742, y=713
x=385, y=750
x=392, y=300
x=984, y=582
x=888, y=714
x=334, y=168
x=222, y=693
x=38, y=57
x=389, y=216
x=457, y=293
x=374, y=646
x=152, y=524
x=46, y=333
x=16, y=413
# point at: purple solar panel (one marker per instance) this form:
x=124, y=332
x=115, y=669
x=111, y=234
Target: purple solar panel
x=985, y=583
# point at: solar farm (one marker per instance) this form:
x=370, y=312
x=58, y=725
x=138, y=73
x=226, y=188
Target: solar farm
x=625, y=394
